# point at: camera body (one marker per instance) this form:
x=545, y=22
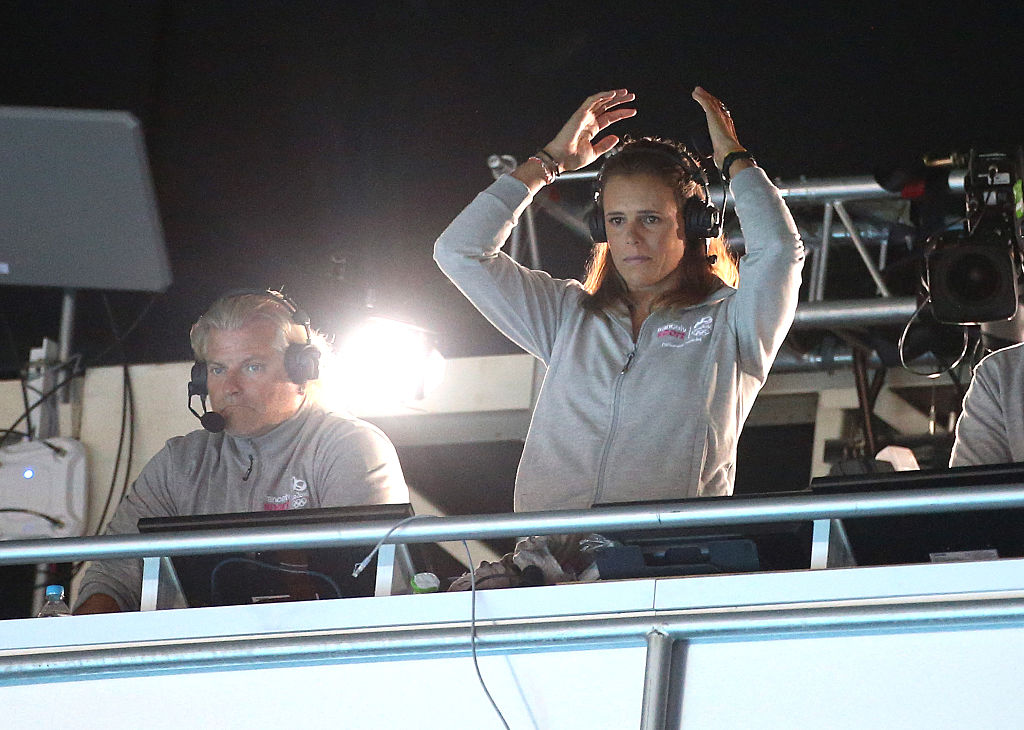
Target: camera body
x=974, y=273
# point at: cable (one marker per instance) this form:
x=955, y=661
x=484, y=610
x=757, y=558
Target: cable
x=23, y=377
x=42, y=399
x=45, y=442
x=22, y=381
x=270, y=566
x=72, y=362
x=903, y=338
x=361, y=566
x=472, y=635
x=117, y=460
x=119, y=338
x=127, y=414
x=12, y=432
x=131, y=430
x=52, y=520
x=127, y=418
x=75, y=362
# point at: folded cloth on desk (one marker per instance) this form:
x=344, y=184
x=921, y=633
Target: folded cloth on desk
x=539, y=560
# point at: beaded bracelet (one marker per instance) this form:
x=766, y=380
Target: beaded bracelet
x=558, y=168
x=551, y=167
x=549, y=173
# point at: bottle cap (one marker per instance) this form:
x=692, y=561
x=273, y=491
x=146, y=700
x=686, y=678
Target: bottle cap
x=425, y=583
x=55, y=593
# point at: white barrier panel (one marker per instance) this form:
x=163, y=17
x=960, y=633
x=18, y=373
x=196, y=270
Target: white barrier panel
x=920, y=646
x=593, y=689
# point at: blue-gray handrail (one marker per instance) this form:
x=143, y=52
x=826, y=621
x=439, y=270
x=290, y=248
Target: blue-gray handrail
x=692, y=513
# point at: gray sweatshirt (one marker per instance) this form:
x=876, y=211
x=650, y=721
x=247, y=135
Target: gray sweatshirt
x=314, y=459
x=991, y=427
x=618, y=421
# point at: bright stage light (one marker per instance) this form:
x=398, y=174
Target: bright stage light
x=384, y=364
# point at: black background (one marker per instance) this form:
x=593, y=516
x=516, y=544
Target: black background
x=282, y=133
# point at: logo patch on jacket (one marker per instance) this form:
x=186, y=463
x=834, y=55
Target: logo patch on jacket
x=273, y=503
x=299, y=493
x=676, y=335
x=297, y=499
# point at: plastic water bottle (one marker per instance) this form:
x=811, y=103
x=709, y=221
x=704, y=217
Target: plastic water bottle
x=55, y=605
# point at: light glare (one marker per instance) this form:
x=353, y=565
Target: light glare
x=385, y=363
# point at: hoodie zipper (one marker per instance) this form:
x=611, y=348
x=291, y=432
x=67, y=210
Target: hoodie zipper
x=616, y=391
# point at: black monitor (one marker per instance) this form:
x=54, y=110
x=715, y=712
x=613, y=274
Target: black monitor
x=682, y=551
x=935, y=537
x=241, y=578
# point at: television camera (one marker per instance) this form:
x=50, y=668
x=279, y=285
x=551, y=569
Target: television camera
x=974, y=273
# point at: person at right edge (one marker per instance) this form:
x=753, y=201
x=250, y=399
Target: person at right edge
x=990, y=429
x=654, y=361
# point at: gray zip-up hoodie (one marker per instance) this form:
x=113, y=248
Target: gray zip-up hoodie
x=618, y=420
x=314, y=459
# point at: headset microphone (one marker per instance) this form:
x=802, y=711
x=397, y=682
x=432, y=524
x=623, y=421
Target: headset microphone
x=210, y=420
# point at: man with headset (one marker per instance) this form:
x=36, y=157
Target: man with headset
x=266, y=444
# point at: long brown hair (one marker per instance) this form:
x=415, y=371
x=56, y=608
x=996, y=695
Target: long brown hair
x=670, y=162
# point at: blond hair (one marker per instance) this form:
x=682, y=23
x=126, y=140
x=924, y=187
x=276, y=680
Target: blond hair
x=234, y=311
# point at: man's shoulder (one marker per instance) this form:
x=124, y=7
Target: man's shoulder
x=343, y=425
x=194, y=442
x=1008, y=360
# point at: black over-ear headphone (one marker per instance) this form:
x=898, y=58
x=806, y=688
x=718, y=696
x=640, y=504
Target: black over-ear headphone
x=701, y=219
x=301, y=359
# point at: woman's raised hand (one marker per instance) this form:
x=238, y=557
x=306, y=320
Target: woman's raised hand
x=574, y=147
x=720, y=125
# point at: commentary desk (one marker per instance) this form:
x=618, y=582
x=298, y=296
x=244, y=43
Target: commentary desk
x=909, y=646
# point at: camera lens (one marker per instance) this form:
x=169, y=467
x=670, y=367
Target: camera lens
x=974, y=278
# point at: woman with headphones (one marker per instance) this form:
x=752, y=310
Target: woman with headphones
x=654, y=361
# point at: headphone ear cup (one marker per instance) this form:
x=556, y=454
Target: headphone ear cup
x=302, y=362
x=197, y=384
x=701, y=219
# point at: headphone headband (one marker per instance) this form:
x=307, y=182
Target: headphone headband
x=678, y=155
x=297, y=314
